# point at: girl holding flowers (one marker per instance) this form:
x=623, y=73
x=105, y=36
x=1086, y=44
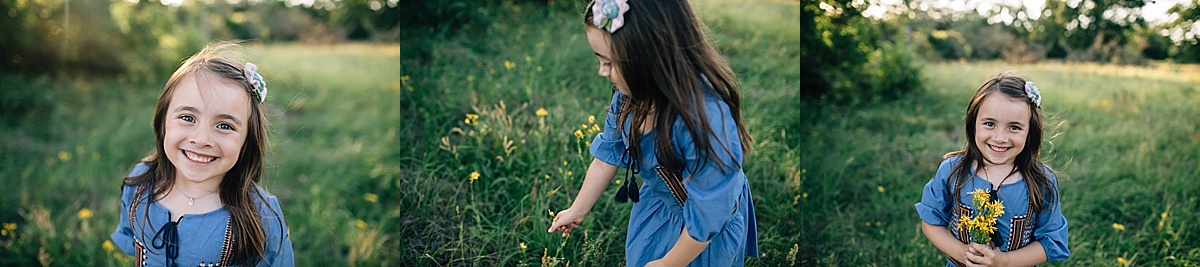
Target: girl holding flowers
x=675, y=118
x=995, y=203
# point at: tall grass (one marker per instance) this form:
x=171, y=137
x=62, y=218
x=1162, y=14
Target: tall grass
x=530, y=166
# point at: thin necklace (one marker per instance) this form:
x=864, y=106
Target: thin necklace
x=985, y=176
x=192, y=200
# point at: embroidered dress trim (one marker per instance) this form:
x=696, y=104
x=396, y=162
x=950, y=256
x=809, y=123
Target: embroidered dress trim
x=1024, y=224
x=961, y=233
x=674, y=183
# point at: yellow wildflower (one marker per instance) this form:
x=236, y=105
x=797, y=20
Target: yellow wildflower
x=591, y=119
x=360, y=224
x=84, y=214
x=371, y=197
x=108, y=245
x=404, y=78
x=523, y=246
x=541, y=112
x=474, y=176
x=1121, y=261
x=551, y=212
x=509, y=64
x=471, y=118
x=1118, y=227
x=64, y=156
x=983, y=221
x=528, y=59
x=579, y=134
x=880, y=188
x=9, y=228
x=539, y=68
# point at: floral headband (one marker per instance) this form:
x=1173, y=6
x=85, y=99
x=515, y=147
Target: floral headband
x=1032, y=93
x=609, y=14
x=257, y=84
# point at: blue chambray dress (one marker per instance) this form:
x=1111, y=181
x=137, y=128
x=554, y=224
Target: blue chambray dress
x=718, y=208
x=201, y=236
x=1017, y=226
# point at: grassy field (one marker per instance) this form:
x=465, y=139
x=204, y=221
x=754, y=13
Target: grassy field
x=1124, y=145
x=451, y=160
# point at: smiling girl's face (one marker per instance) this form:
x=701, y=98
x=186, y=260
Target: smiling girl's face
x=205, y=126
x=1001, y=128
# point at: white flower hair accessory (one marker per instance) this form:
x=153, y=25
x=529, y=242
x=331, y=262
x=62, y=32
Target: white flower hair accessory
x=1033, y=94
x=257, y=84
x=609, y=14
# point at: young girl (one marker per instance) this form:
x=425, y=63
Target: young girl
x=1004, y=138
x=197, y=200
x=675, y=118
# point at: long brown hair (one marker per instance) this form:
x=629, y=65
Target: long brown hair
x=239, y=187
x=1042, y=193
x=664, y=58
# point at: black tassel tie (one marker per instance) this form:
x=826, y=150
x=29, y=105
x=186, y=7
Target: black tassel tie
x=168, y=237
x=629, y=190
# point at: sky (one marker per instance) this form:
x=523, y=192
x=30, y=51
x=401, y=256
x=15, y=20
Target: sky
x=1154, y=12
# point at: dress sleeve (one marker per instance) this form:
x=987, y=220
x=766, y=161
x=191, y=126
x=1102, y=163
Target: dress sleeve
x=1051, y=229
x=608, y=146
x=279, y=240
x=712, y=188
x=123, y=235
x=936, y=202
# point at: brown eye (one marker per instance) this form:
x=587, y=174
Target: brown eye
x=225, y=126
x=187, y=118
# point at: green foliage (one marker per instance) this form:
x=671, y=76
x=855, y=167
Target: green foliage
x=1187, y=47
x=837, y=44
x=1106, y=31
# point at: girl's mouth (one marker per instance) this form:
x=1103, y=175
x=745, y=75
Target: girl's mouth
x=197, y=157
x=998, y=149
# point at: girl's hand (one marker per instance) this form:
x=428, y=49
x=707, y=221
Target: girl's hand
x=566, y=220
x=982, y=255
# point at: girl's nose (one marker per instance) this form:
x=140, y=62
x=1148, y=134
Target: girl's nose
x=1000, y=138
x=602, y=70
x=201, y=136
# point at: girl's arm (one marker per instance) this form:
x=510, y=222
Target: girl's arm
x=599, y=175
x=941, y=238
x=685, y=250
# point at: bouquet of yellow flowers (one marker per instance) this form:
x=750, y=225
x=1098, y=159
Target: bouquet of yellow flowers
x=983, y=222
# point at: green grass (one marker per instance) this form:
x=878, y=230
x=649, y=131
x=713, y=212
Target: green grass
x=373, y=168
x=501, y=218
